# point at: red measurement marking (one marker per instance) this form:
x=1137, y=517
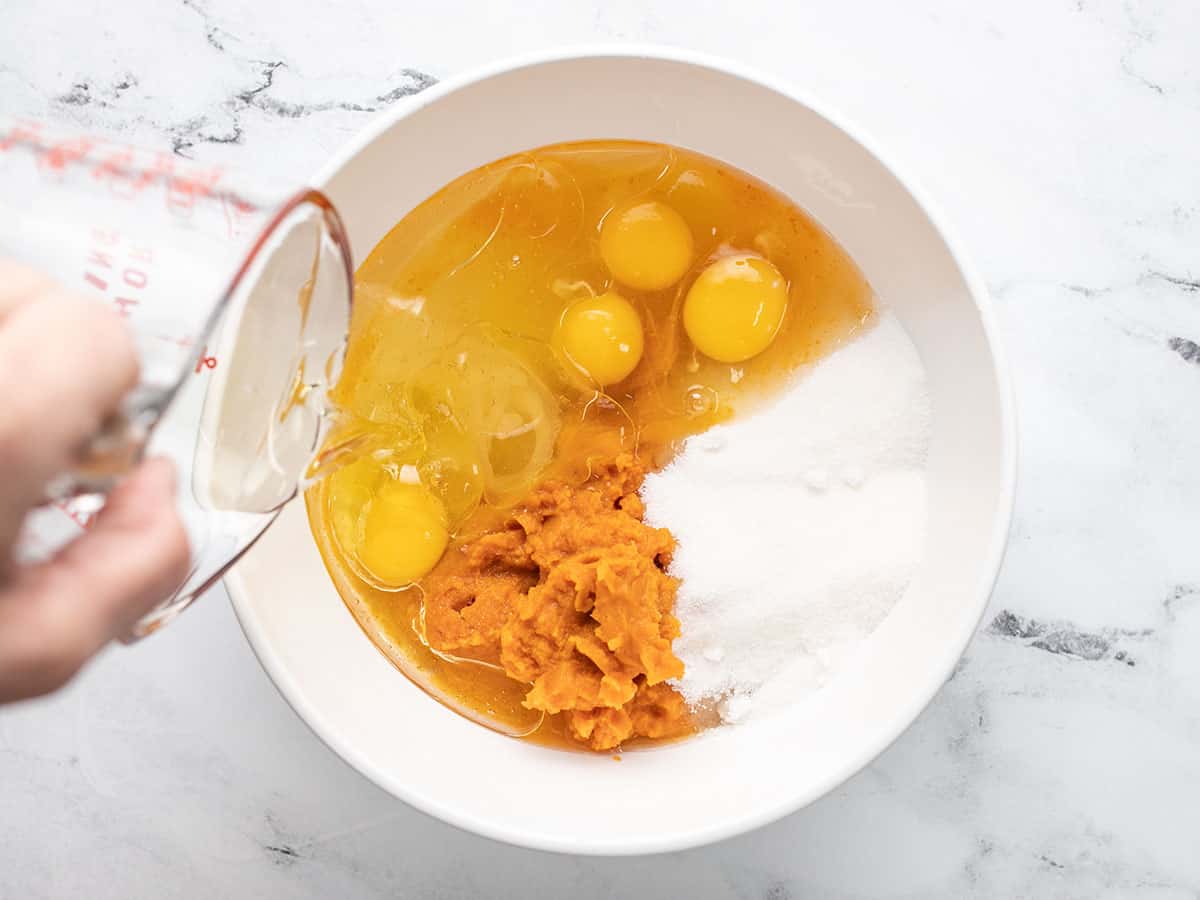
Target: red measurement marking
x=114, y=167
x=101, y=259
x=139, y=177
x=124, y=305
x=177, y=341
x=135, y=278
x=60, y=154
x=183, y=191
x=97, y=260
x=21, y=133
x=118, y=269
x=238, y=214
x=82, y=519
x=205, y=362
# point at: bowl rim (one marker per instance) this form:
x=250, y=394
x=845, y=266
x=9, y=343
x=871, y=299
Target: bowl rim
x=728, y=828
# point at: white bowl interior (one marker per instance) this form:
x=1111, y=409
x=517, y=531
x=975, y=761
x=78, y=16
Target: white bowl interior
x=726, y=780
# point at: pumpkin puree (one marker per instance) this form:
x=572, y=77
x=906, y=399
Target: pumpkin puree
x=570, y=595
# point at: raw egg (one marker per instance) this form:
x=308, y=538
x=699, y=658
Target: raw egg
x=647, y=246
x=601, y=337
x=404, y=533
x=735, y=307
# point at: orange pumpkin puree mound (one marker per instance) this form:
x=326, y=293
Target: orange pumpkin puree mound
x=570, y=595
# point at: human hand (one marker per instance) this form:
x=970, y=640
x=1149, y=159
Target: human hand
x=65, y=363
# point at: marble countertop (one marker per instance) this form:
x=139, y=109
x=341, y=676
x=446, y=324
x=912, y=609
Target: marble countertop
x=1062, y=760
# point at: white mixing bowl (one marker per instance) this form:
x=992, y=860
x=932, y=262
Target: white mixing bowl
x=727, y=780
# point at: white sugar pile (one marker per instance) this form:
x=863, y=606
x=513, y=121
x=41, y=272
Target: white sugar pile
x=799, y=527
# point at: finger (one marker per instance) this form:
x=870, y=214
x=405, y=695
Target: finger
x=56, y=615
x=19, y=284
x=66, y=362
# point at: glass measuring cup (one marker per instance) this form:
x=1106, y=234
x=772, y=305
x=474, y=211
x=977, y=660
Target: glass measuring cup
x=237, y=292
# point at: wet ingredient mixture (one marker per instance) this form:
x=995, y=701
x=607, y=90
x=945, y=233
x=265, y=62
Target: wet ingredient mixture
x=526, y=346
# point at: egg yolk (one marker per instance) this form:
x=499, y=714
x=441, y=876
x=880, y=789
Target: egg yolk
x=647, y=246
x=403, y=534
x=602, y=337
x=735, y=307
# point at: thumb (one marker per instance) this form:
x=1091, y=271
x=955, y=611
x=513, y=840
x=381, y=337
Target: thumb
x=61, y=612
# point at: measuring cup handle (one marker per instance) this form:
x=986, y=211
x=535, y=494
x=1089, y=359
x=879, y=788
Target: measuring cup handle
x=111, y=454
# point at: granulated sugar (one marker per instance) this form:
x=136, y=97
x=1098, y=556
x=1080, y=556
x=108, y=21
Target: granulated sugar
x=799, y=527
